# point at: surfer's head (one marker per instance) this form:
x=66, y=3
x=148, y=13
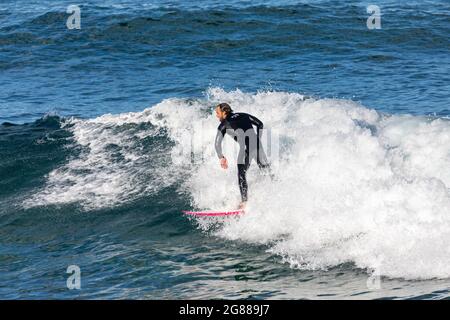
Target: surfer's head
x=223, y=110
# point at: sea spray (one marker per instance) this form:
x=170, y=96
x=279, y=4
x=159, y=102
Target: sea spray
x=352, y=184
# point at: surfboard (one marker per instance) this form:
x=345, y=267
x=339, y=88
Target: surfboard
x=213, y=213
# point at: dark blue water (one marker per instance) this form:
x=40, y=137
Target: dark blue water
x=68, y=197
x=130, y=54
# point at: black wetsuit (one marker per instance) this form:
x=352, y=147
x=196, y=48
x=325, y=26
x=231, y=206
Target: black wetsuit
x=239, y=127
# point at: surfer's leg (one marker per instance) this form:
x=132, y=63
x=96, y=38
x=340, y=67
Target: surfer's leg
x=242, y=174
x=243, y=187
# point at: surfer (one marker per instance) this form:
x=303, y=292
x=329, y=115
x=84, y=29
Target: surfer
x=239, y=126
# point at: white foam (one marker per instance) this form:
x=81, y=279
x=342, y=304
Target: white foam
x=352, y=185
x=113, y=166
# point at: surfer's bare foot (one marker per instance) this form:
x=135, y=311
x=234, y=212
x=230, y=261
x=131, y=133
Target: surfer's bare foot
x=242, y=205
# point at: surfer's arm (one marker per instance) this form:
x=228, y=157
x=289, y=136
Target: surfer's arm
x=218, y=142
x=256, y=122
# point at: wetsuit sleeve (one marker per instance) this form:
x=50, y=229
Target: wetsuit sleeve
x=219, y=137
x=258, y=123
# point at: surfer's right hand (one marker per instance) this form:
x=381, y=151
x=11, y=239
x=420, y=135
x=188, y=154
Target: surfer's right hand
x=223, y=162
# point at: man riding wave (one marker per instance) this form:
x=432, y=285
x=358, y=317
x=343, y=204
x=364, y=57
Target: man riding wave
x=239, y=126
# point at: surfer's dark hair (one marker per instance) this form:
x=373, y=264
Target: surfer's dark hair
x=225, y=107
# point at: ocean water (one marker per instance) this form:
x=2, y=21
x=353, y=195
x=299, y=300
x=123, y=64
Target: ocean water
x=107, y=132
